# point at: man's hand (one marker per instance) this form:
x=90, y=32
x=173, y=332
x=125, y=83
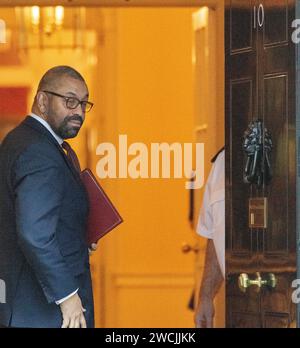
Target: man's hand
x=72, y=312
x=205, y=313
x=92, y=248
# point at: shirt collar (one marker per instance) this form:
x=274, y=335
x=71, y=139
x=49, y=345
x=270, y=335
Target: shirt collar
x=46, y=125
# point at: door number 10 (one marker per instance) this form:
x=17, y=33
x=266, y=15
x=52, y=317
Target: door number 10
x=258, y=16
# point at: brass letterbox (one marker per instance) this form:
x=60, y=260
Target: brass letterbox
x=258, y=212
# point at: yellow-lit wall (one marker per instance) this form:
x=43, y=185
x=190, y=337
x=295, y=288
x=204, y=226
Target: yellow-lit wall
x=148, y=281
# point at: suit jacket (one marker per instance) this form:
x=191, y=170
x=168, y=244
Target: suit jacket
x=43, y=214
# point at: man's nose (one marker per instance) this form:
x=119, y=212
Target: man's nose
x=79, y=111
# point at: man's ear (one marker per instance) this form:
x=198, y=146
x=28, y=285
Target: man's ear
x=42, y=102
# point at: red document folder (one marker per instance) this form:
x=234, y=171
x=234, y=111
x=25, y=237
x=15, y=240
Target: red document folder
x=103, y=216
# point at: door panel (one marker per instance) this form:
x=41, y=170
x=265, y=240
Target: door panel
x=246, y=320
x=276, y=19
x=277, y=309
x=244, y=307
x=241, y=114
x=241, y=26
x=278, y=110
x=276, y=117
x=241, y=107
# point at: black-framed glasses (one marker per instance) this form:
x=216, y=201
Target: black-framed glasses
x=73, y=102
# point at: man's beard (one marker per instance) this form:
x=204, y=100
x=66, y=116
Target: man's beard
x=67, y=131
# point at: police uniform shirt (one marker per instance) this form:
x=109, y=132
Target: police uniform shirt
x=211, y=223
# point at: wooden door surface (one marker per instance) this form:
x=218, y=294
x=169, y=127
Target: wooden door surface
x=260, y=197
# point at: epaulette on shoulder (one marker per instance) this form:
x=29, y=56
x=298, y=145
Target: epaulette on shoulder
x=217, y=154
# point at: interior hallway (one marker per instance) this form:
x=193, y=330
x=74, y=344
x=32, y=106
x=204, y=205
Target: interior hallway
x=146, y=77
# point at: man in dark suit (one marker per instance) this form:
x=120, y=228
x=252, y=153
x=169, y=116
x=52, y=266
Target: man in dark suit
x=44, y=259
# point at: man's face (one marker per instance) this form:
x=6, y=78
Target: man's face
x=64, y=121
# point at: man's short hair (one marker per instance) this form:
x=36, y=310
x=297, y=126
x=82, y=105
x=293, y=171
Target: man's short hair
x=55, y=73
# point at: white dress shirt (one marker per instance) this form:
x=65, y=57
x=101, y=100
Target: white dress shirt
x=60, y=141
x=211, y=223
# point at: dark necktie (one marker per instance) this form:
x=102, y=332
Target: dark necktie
x=71, y=155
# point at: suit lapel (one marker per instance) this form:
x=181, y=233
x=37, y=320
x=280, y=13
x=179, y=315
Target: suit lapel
x=36, y=125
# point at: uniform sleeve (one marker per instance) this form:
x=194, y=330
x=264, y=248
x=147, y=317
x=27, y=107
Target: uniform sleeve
x=39, y=187
x=205, y=221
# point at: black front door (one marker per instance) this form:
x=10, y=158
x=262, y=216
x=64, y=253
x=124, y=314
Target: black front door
x=260, y=164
